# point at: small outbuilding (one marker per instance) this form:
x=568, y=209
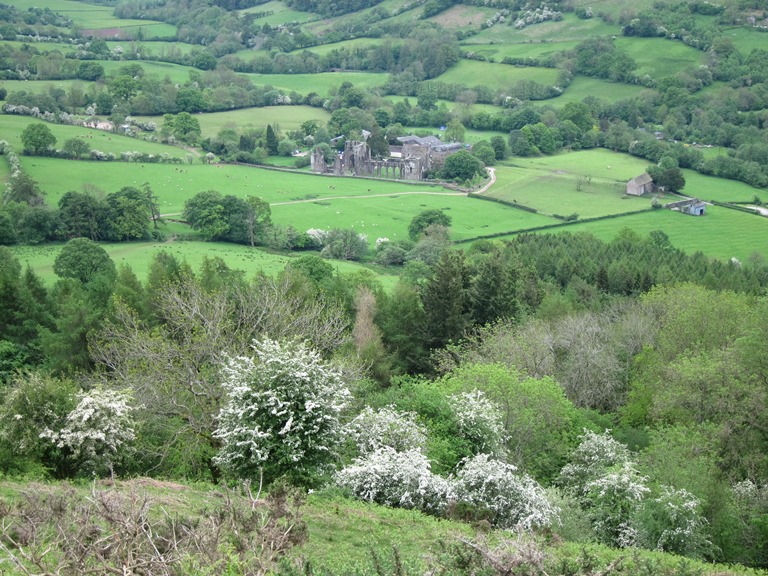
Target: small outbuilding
x=641, y=184
x=694, y=209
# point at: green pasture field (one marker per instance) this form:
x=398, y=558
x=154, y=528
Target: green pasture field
x=130, y=29
x=569, y=28
x=43, y=47
x=583, y=86
x=529, y=49
x=659, y=57
x=322, y=25
x=721, y=233
x=390, y=215
x=746, y=39
x=495, y=76
x=139, y=255
x=282, y=14
x=282, y=117
x=597, y=162
x=153, y=48
x=174, y=184
x=320, y=83
x=39, y=86
x=355, y=43
x=452, y=106
x=614, y=7
x=89, y=16
x=11, y=127
x=719, y=189
x=555, y=192
x=462, y=16
x=176, y=72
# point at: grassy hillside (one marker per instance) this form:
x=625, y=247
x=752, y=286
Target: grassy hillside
x=348, y=537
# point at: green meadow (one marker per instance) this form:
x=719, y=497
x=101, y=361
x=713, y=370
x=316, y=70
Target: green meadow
x=321, y=83
x=174, y=184
x=62, y=47
x=597, y=162
x=89, y=16
x=149, y=47
x=613, y=7
x=521, y=50
x=176, y=72
x=720, y=233
x=659, y=57
x=556, y=192
x=12, y=126
x=40, y=86
x=746, y=39
x=355, y=43
x=462, y=16
x=389, y=216
x=282, y=14
x=283, y=117
x=569, y=28
x=495, y=76
x=720, y=189
x=582, y=86
x=139, y=255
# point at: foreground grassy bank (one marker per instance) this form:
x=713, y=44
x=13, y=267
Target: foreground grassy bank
x=336, y=535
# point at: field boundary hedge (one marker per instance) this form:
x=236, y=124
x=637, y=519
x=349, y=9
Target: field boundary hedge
x=551, y=226
x=734, y=206
x=504, y=202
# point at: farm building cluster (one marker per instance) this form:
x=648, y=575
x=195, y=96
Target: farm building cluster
x=413, y=160
x=643, y=184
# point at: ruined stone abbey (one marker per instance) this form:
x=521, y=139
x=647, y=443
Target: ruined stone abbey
x=418, y=157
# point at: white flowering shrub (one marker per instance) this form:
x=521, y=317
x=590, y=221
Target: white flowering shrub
x=513, y=500
x=612, y=501
x=672, y=522
x=386, y=427
x=595, y=454
x=399, y=479
x=480, y=421
x=281, y=412
x=97, y=430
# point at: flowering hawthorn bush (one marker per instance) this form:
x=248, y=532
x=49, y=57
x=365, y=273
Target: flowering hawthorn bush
x=372, y=430
x=97, y=429
x=400, y=479
x=612, y=500
x=514, y=500
x=595, y=454
x=281, y=414
x=480, y=421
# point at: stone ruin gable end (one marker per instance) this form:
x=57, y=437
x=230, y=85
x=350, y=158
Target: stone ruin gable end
x=356, y=158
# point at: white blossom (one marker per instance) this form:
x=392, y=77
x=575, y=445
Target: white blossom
x=400, y=479
x=386, y=427
x=282, y=405
x=515, y=500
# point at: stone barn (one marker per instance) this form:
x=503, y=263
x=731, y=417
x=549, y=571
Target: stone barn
x=640, y=185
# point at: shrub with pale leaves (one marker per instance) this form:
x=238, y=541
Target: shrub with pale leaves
x=386, y=427
x=281, y=414
x=672, y=522
x=514, y=500
x=399, y=479
x=97, y=430
x=480, y=421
